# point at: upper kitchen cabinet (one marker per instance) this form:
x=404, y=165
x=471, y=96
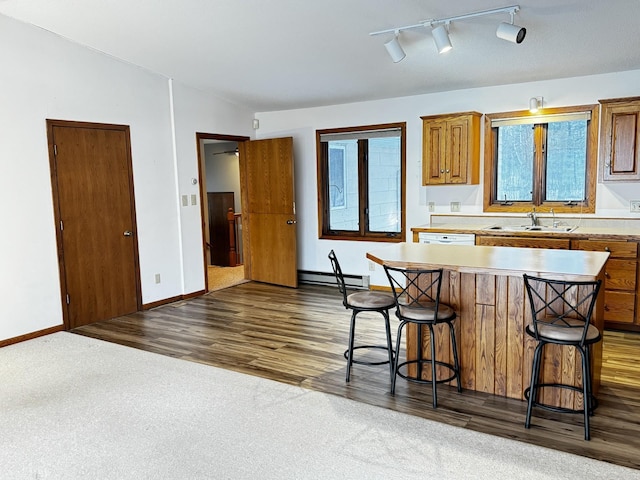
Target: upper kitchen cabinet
x=451, y=149
x=619, y=137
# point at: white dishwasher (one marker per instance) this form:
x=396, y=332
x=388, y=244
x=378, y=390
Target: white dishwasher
x=447, y=238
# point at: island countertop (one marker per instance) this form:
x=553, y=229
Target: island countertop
x=561, y=264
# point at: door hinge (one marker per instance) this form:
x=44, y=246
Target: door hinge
x=68, y=299
x=55, y=150
x=61, y=226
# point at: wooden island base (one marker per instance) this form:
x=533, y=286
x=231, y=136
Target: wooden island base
x=486, y=288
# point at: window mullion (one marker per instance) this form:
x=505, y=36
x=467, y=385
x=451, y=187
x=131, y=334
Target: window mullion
x=363, y=185
x=538, y=164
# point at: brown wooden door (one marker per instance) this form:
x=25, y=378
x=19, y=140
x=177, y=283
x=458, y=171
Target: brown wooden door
x=93, y=195
x=269, y=216
x=219, y=204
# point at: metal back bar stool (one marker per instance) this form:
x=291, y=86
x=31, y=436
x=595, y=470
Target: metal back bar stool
x=417, y=296
x=561, y=315
x=364, y=301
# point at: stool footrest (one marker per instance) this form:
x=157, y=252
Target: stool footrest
x=553, y=408
x=453, y=376
x=362, y=362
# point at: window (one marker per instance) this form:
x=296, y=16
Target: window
x=361, y=172
x=546, y=161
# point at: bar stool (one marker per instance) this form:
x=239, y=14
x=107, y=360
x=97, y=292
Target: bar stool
x=364, y=301
x=417, y=296
x=561, y=315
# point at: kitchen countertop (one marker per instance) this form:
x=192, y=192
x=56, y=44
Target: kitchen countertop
x=632, y=234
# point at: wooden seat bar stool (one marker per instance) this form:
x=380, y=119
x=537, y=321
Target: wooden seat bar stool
x=417, y=296
x=364, y=301
x=561, y=314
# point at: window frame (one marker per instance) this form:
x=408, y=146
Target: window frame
x=324, y=232
x=493, y=204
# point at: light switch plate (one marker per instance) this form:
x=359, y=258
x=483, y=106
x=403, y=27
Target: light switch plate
x=634, y=206
x=185, y=201
x=455, y=206
x=432, y=206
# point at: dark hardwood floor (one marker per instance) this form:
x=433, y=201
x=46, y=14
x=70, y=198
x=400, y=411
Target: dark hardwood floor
x=298, y=336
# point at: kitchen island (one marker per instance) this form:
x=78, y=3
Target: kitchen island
x=484, y=284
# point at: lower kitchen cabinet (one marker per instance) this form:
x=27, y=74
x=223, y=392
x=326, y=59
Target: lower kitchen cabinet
x=621, y=300
x=622, y=276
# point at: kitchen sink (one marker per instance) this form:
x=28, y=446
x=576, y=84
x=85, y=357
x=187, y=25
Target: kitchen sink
x=530, y=228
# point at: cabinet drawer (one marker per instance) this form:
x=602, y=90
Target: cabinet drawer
x=523, y=242
x=620, y=275
x=619, y=306
x=617, y=248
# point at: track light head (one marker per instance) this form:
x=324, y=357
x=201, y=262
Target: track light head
x=535, y=104
x=441, y=38
x=394, y=49
x=511, y=33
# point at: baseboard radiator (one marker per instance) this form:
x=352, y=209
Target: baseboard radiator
x=328, y=278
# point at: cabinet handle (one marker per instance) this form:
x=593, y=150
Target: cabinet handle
x=606, y=274
x=442, y=170
x=606, y=249
x=447, y=170
x=606, y=307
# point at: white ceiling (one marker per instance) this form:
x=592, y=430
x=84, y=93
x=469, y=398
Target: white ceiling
x=283, y=54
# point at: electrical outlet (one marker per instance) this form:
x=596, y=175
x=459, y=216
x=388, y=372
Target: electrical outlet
x=432, y=206
x=185, y=201
x=634, y=206
x=455, y=206
x=157, y=278
x=372, y=266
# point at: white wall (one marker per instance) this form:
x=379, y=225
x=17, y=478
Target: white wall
x=611, y=199
x=196, y=112
x=47, y=77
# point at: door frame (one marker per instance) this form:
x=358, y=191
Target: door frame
x=202, y=175
x=51, y=123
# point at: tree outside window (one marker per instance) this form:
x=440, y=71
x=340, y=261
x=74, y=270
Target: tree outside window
x=546, y=161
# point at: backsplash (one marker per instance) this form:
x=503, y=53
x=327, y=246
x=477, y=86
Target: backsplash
x=544, y=218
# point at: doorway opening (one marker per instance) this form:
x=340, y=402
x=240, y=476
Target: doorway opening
x=221, y=201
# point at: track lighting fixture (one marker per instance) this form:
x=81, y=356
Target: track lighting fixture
x=440, y=31
x=535, y=104
x=510, y=32
x=441, y=37
x=394, y=49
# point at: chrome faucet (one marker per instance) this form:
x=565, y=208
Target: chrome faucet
x=555, y=222
x=534, y=217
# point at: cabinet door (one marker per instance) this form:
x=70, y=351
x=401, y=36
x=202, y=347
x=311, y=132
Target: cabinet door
x=433, y=152
x=620, y=275
x=619, y=307
x=457, y=148
x=620, y=136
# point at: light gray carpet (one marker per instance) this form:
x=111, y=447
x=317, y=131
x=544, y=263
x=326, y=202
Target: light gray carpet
x=77, y=408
